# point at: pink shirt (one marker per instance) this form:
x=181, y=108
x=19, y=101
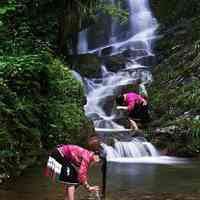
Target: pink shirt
x=78, y=156
x=131, y=99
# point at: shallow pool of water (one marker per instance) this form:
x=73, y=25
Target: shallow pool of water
x=131, y=181
x=33, y=185
x=153, y=177
x=145, y=180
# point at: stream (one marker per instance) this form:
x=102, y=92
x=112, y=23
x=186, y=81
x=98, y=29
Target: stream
x=131, y=181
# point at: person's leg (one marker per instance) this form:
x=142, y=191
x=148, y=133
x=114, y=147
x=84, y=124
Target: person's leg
x=70, y=192
x=104, y=173
x=133, y=124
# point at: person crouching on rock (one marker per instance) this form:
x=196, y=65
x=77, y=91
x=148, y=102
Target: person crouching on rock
x=69, y=164
x=137, y=107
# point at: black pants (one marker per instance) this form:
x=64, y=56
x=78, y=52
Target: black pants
x=68, y=173
x=140, y=112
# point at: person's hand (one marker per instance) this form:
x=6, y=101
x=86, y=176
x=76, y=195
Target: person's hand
x=144, y=102
x=93, y=188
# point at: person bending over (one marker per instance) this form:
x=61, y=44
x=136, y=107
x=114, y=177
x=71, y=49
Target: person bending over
x=69, y=164
x=137, y=107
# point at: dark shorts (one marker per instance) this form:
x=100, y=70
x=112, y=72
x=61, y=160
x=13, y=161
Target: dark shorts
x=140, y=113
x=64, y=171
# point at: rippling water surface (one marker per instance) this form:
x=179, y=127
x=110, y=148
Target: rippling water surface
x=131, y=181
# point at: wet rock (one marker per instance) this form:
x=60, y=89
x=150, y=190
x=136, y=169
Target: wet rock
x=146, y=61
x=3, y=177
x=134, y=53
x=167, y=130
x=138, y=45
x=94, y=116
x=115, y=63
x=106, y=51
x=88, y=65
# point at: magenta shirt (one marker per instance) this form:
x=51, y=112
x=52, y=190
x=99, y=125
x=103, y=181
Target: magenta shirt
x=131, y=99
x=78, y=156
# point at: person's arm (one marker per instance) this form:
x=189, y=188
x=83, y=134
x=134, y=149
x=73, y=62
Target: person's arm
x=133, y=124
x=83, y=173
x=90, y=188
x=142, y=100
x=122, y=107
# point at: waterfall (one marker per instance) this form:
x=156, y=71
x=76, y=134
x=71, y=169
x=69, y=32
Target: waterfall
x=113, y=27
x=135, y=148
x=82, y=42
x=77, y=76
x=133, y=44
x=101, y=91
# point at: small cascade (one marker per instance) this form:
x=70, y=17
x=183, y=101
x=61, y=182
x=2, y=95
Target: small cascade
x=100, y=91
x=136, y=148
x=77, y=76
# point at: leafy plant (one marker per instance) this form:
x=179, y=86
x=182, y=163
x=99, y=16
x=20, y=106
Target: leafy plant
x=6, y=7
x=41, y=105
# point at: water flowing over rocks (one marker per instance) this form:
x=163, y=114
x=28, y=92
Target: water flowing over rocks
x=124, y=60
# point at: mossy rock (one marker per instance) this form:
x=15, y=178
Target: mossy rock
x=174, y=92
x=88, y=65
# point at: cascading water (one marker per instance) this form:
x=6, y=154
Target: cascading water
x=99, y=91
x=134, y=42
x=82, y=42
x=135, y=148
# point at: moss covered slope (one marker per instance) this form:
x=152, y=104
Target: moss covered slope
x=41, y=106
x=175, y=92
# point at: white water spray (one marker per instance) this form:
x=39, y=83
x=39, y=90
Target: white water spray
x=101, y=92
x=135, y=148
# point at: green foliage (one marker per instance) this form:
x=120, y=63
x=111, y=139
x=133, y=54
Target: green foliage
x=29, y=28
x=175, y=93
x=192, y=124
x=174, y=11
x=20, y=135
x=116, y=11
x=41, y=105
x=64, y=109
x=6, y=7
x=89, y=8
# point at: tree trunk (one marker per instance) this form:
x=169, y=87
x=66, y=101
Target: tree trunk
x=69, y=25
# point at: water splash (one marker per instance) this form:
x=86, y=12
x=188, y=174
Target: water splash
x=77, y=76
x=136, y=148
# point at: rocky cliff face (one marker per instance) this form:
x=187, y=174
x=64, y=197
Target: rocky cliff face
x=175, y=92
